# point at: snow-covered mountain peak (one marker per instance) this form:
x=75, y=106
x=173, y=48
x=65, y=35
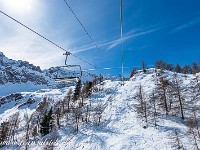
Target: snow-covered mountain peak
x=21, y=76
x=1, y=54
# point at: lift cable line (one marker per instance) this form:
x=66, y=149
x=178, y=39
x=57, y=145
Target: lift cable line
x=81, y=25
x=121, y=37
x=47, y=39
x=113, y=68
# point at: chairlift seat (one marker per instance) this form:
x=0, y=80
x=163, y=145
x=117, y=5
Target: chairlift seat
x=68, y=79
x=76, y=76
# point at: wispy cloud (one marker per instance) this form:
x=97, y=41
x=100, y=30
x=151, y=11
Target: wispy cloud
x=186, y=25
x=137, y=34
x=113, y=68
x=113, y=43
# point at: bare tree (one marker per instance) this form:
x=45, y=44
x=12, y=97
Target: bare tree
x=162, y=86
x=177, y=93
x=186, y=69
x=143, y=66
x=153, y=102
x=4, y=132
x=57, y=117
x=87, y=117
x=76, y=118
x=195, y=121
x=196, y=82
x=98, y=113
x=14, y=124
x=68, y=99
x=160, y=65
x=177, y=144
x=191, y=127
x=178, y=69
x=169, y=67
x=195, y=68
x=142, y=107
x=27, y=119
x=133, y=72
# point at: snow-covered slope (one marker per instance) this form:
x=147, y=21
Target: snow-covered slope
x=115, y=104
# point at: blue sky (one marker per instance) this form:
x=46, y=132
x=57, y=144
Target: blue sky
x=152, y=30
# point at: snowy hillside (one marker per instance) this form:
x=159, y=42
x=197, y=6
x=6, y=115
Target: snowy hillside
x=117, y=115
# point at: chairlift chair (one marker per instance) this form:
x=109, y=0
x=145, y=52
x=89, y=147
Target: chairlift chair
x=75, y=77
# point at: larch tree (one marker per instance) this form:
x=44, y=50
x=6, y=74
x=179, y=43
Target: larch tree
x=177, y=89
x=178, y=69
x=144, y=66
x=161, y=90
x=153, y=101
x=142, y=106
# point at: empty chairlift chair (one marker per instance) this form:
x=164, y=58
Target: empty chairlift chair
x=68, y=73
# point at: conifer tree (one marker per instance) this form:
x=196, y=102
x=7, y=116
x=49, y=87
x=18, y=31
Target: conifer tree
x=185, y=69
x=46, y=124
x=178, y=69
x=87, y=89
x=195, y=68
x=77, y=91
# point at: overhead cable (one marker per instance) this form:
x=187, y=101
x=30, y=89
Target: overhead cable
x=46, y=38
x=81, y=24
x=121, y=37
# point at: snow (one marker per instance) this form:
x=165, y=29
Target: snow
x=10, y=88
x=121, y=129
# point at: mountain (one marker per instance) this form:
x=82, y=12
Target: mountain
x=19, y=72
x=114, y=116
x=21, y=76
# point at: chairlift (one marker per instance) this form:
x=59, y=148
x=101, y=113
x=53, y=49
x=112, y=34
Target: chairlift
x=74, y=72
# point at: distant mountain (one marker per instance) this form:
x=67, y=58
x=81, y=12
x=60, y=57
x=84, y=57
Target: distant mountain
x=12, y=71
x=21, y=76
